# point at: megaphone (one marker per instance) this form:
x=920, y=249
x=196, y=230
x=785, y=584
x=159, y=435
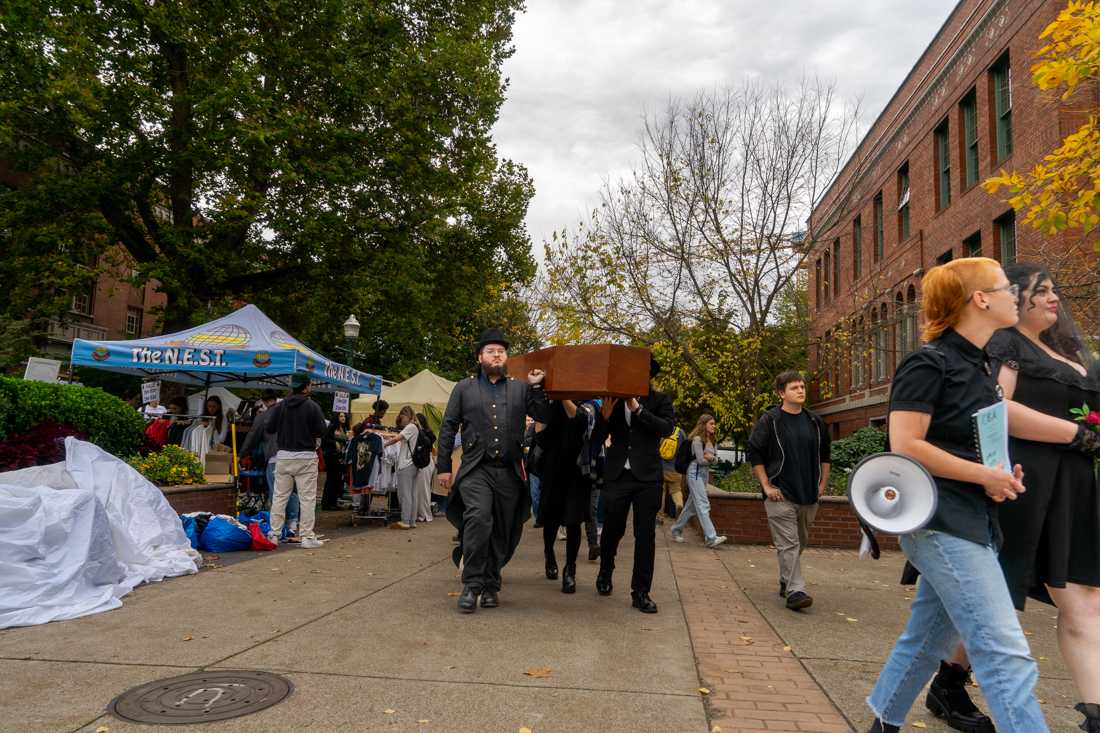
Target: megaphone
x=892, y=493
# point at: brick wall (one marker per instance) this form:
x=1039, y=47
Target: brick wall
x=976, y=35
x=214, y=498
x=741, y=517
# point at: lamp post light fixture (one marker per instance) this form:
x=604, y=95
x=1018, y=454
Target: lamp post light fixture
x=351, y=333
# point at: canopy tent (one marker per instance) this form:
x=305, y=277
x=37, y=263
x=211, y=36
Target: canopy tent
x=196, y=401
x=420, y=391
x=242, y=349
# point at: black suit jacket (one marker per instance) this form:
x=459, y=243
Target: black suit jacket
x=640, y=441
x=467, y=411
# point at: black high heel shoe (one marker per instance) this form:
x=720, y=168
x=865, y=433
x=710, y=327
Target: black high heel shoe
x=551, y=568
x=569, y=579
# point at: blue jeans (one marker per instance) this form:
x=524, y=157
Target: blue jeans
x=291, y=504
x=697, y=504
x=536, y=493
x=962, y=592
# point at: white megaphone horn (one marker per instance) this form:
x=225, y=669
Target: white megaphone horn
x=892, y=493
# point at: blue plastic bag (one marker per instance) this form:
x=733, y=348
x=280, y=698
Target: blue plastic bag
x=262, y=518
x=191, y=529
x=225, y=534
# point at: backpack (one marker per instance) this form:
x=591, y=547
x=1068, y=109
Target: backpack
x=669, y=445
x=422, y=451
x=684, y=456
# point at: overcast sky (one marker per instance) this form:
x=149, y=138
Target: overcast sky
x=585, y=72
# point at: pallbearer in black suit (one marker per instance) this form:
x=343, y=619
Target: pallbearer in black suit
x=633, y=473
x=489, y=502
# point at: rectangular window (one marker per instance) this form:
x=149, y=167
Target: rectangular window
x=945, y=257
x=880, y=352
x=817, y=284
x=879, y=231
x=1005, y=227
x=1001, y=86
x=133, y=321
x=82, y=302
x=857, y=249
x=859, y=348
x=968, y=109
x=972, y=245
x=836, y=268
x=903, y=202
x=943, y=166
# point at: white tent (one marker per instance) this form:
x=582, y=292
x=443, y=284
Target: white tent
x=423, y=388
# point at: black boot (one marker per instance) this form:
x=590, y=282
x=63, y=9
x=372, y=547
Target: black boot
x=1091, y=711
x=948, y=699
x=551, y=567
x=467, y=600
x=603, y=583
x=880, y=727
x=569, y=579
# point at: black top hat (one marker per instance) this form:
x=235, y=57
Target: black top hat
x=491, y=336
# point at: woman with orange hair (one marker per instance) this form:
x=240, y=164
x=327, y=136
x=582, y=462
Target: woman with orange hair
x=962, y=593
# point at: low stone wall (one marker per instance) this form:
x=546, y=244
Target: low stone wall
x=216, y=498
x=741, y=517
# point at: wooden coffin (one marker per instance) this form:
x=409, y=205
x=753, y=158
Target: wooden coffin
x=587, y=371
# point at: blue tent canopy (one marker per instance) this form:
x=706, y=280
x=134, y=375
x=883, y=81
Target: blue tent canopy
x=242, y=349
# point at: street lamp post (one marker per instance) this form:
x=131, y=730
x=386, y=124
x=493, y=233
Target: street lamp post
x=351, y=333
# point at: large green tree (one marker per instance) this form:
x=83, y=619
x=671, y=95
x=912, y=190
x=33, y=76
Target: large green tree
x=317, y=157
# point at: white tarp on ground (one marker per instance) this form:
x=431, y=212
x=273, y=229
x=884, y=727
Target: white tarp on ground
x=77, y=536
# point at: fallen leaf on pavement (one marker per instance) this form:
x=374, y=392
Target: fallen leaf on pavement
x=525, y=730
x=424, y=721
x=919, y=724
x=102, y=729
x=454, y=594
x=188, y=638
x=716, y=729
x=747, y=639
x=852, y=620
x=539, y=672
x=786, y=648
x=389, y=711
x=704, y=691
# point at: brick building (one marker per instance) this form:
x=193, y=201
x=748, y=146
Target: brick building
x=111, y=309
x=909, y=198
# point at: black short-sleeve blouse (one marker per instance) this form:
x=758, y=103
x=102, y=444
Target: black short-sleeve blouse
x=950, y=379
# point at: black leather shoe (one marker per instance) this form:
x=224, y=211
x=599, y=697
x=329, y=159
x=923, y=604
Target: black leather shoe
x=880, y=727
x=489, y=599
x=551, y=568
x=948, y=699
x=643, y=602
x=569, y=579
x=798, y=600
x=467, y=600
x=593, y=553
x=603, y=584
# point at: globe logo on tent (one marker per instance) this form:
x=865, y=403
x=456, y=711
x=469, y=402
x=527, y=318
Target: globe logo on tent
x=262, y=360
x=100, y=353
x=225, y=336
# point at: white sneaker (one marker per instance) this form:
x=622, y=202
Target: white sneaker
x=311, y=543
x=273, y=538
x=716, y=541
x=678, y=537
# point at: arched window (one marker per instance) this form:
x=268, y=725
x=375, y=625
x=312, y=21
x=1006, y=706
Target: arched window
x=901, y=330
x=912, y=314
x=881, y=345
x=859, y=354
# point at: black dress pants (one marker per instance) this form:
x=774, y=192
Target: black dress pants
x=619, y=497
x=492, y=496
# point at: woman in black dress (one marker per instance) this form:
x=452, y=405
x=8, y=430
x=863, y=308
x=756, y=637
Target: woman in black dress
x=565, y=490
x=1052, y=533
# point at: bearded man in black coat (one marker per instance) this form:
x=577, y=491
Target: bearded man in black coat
x=489, y=500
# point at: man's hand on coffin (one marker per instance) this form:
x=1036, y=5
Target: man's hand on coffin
x=608, y=407
x=633, y=405
x=535, y=376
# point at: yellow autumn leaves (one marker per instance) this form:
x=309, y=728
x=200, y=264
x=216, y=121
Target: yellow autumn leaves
x=1062, y=192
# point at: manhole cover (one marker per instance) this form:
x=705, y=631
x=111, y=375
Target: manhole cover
x=201, y=697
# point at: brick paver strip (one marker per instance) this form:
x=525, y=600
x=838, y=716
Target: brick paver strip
x=756, y=686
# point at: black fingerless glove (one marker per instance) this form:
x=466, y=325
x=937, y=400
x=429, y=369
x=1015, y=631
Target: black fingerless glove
x=1086, y=441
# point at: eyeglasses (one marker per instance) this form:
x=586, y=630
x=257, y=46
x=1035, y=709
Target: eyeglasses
x=1012, y=288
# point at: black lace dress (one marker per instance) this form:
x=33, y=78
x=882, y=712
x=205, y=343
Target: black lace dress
x=1052, y=531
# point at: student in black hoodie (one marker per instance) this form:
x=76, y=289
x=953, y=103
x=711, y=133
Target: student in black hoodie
x=298, y=424
x=789, y=451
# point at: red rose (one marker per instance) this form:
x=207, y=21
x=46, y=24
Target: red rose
x=1093, y=418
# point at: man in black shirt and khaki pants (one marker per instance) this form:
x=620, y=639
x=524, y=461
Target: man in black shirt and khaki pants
x=789, y=452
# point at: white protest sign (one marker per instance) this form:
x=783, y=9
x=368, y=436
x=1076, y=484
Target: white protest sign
x=341, y=402
x=150, y=391
x=42, y=370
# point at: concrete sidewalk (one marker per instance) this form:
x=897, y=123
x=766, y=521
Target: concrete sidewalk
x=368, y=624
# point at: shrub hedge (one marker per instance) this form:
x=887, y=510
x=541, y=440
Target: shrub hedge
x=106, y=420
